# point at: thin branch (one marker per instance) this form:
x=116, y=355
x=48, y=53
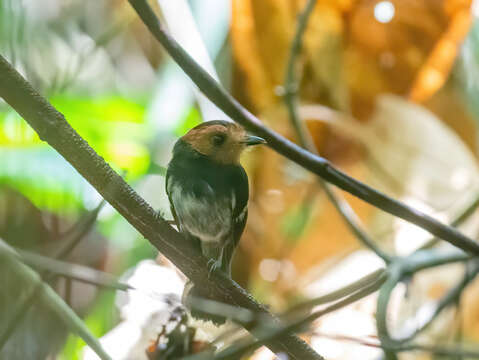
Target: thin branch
x=314, y=163
x=52, y=127
x=296, y=325
x=83, y=228
x=51, y=299
x=19, y=314
x=462, y=217
x=340, y=293
x=17, y=317
x=245, y=316
x=72, y=271
x=291, y=85
x=433, y=349
x=291, y=89
x=354, y=224
x=404, y=267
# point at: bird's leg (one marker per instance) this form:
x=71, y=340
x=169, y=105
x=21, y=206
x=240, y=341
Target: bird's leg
x=214, y=265
x=215, y=255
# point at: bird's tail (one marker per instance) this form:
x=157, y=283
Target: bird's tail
x=192, y=293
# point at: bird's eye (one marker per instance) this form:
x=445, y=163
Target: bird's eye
x=218, y=139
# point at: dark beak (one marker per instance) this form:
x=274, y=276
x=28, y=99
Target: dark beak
x=253, y=140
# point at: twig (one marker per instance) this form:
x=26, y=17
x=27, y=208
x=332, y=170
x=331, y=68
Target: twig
x=72, y=271
x=353, y=222
x=17, y=317
x=463, y=216
x=305, y=140
x=52, y=127
x=268, y=333
x=314, y=163
x=291, y=86
x=84, y=226
x=447, y=300
x=245, y=316
x=403, y=267
x=51, y=299
x=433, y=349
x=338, y=294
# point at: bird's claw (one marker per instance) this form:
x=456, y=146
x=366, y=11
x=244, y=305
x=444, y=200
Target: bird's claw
x=213, y=265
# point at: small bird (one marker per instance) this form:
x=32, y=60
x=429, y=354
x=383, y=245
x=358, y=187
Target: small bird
x=208, y=189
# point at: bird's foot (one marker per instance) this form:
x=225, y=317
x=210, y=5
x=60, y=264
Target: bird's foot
x=213, y=265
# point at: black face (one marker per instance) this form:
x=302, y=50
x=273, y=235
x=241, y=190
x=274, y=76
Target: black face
x=218, y=139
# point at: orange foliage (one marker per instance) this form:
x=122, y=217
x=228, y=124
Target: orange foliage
x=348, y=59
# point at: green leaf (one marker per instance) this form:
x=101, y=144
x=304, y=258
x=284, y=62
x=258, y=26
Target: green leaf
x=112, y=125
x=43, y=176
x=105, y=108
x=191, y=119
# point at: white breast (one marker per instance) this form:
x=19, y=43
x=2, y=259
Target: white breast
x=208, y=218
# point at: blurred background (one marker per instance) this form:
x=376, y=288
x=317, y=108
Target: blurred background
x=387, y=88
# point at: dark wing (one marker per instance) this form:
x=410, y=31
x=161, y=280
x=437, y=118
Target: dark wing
x=240, y=211
x=169, y=183
x=172, y=207
x=239, y=180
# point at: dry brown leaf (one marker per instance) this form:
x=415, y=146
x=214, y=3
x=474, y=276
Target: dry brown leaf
x=281, y=187
x=274, y=27
x=323, y=52
x=470, y=309
x=435, y=71
x=245, y=49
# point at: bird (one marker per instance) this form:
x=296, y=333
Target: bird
x=208, y=190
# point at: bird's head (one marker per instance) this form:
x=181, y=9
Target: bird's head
x=221, y=141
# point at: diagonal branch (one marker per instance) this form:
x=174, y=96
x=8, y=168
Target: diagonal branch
x=298, y=324
x=314, y=163
x=297, y=317
x=52, y=127
x=83, y=228
x=50, y=298
x=72, y=271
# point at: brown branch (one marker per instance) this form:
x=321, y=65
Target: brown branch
x=52, y=127
x=299, y=323
x=296, y=317
x=306, y=159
